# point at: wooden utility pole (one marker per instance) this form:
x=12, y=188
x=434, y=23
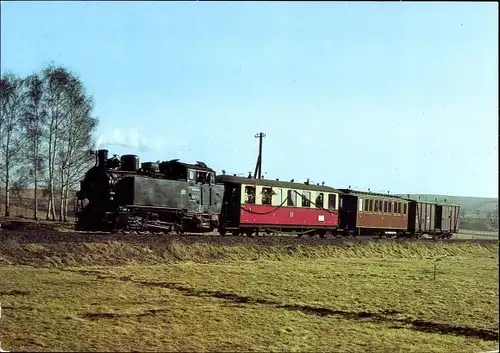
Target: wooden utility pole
x=258, y=166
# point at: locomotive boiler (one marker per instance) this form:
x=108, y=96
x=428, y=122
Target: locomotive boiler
x=118, y=193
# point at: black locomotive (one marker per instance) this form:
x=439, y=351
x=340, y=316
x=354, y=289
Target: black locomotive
x=118, y=194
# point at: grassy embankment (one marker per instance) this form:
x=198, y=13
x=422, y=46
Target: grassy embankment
x=204, y=297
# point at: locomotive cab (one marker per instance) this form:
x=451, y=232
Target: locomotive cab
x=195, y=173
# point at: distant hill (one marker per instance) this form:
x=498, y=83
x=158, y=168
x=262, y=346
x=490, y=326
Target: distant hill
x=471, y=206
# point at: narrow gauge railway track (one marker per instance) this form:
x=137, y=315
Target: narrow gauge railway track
x=95, y=237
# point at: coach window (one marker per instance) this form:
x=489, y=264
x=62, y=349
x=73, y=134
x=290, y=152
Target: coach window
x=398, y=208
x=267, y=195
x=278, y=199
x=371, y=206
x=404, y=208
x=386, y=208
x=320, y=200
x=249, y=194
x=376, y=206
x=389, y=207
x=332, y=201
x=367, y=205
x=306, y=199
x=291, y=198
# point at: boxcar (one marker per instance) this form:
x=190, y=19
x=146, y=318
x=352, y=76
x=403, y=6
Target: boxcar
x=367, y=213
x=433, y=218
x=253, y=205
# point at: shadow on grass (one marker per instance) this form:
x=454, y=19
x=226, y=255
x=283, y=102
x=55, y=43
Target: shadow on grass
x=97, y=316
x=384, y=316
x=14, y=292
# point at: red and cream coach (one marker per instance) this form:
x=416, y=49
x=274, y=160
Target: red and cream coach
x=261, y=205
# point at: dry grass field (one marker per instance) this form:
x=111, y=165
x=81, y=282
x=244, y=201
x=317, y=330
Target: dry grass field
x=171, y=296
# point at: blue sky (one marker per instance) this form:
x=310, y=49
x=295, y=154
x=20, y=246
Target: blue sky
x=399, y=97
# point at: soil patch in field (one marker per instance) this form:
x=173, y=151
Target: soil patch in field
x=23, y=226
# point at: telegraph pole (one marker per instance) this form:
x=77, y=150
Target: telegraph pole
x=258, y=166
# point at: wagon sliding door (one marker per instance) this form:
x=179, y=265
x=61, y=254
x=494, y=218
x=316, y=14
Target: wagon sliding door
x=439, y=218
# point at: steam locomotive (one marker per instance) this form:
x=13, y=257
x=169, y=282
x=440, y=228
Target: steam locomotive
x=118, y=194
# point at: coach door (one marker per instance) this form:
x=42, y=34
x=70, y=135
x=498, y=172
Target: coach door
x=231, y=204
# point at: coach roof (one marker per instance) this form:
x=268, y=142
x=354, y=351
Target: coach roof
x=369, y=193
x=274, y=183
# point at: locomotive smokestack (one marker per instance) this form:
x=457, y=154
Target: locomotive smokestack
x=102, y=157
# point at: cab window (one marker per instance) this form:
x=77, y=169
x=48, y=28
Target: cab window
x=192, y=174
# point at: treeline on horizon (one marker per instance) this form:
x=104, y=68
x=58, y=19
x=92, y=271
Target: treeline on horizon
x=46, y=132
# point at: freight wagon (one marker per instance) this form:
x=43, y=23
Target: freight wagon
x=434, y=219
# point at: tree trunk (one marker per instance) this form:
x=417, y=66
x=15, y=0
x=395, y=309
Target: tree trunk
x=35, y=212
x=49, y=207
x=51, y=176
x=52, y=186
x=61, y=209
x=65, y=215
x=7, y=196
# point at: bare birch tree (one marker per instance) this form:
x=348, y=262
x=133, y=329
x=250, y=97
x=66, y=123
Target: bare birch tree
x=34, y=118
x=47, y=119
x=56, y=81
x=75, y=141
x=11, y=135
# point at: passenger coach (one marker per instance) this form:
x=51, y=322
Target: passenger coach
x=367, y=213
x=253, y=205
